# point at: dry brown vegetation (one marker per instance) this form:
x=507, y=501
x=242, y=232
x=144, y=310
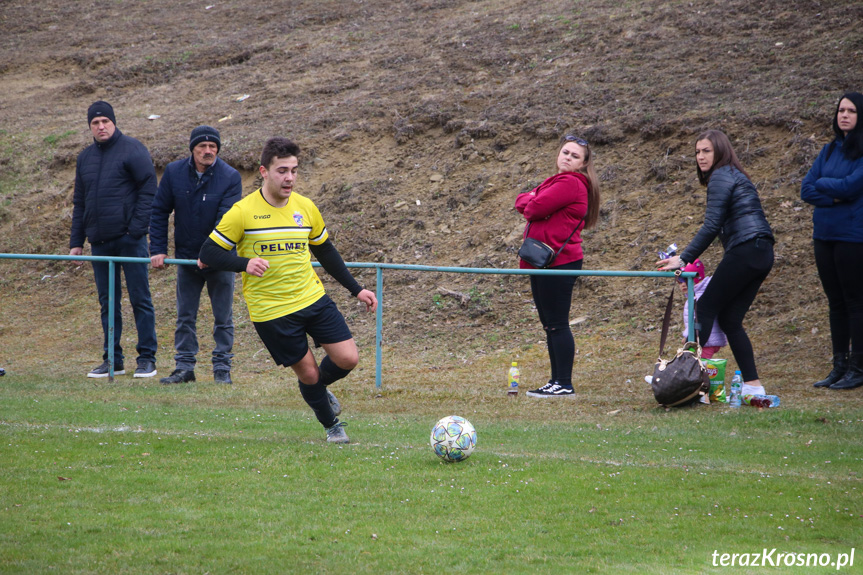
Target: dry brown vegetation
x=421, y=120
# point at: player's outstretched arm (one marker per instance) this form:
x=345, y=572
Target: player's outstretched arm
x=331, y=260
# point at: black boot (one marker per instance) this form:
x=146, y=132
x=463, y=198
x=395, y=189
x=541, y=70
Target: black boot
x=854, y=376
x=840, y=366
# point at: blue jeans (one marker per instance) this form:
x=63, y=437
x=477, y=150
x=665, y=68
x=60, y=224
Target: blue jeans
x=138, y=286
x=220, y=287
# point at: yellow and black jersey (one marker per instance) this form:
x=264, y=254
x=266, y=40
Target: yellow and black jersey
x=282, y=237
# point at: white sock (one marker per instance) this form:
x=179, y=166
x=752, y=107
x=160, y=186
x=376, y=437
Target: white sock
x=753, y=390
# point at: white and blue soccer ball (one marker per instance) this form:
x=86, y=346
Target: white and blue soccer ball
x=453, y=438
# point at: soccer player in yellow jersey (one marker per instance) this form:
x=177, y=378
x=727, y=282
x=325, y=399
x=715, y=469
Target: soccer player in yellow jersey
x=274, y=230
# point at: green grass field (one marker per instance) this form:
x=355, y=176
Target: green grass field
x=133, y=477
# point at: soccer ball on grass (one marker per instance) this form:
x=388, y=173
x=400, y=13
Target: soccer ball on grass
x=453, y=438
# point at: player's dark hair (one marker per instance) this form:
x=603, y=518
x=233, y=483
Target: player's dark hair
x=278, y=148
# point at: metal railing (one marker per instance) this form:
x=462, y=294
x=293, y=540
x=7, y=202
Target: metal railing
x=379, y=288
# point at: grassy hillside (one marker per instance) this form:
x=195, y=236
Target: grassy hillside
x=421, y=121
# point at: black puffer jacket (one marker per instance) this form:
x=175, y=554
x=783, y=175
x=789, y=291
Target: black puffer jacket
x=115, y=183
x=733, y=213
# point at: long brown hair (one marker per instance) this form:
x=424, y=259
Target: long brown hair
x=593, y=197
x=723, y=154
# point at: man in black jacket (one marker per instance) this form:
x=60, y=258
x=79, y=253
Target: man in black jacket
x=198, y=190
x=114, y=187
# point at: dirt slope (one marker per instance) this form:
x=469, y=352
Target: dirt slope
x=421, y=120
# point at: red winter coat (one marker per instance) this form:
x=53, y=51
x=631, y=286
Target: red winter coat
x=553, y=209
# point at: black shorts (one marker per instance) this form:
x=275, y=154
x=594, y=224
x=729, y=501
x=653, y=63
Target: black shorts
x=285, y=337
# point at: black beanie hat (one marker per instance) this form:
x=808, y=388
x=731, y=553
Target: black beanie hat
x=98, y=109
x=205, y=134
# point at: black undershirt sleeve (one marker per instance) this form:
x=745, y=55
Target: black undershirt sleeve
x=217, y=257
x=332, y=262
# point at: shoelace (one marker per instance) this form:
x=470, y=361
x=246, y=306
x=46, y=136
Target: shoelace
x=335, y=428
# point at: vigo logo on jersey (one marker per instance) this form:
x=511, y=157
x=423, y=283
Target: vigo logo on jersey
x=272, y=248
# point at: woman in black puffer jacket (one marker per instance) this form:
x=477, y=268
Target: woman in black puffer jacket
x=734, y=214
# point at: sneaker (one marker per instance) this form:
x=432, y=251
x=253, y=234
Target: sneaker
x=752, y=390
x=2, y=372
x=334, y=403
x=336, y=433
x=179, y=376
x=553, y=390
x=542, y=388
x=222, y=376
x=102, y=370
x=145, y=369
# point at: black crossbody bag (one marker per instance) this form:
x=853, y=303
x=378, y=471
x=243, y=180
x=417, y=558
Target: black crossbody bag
x=540, y=254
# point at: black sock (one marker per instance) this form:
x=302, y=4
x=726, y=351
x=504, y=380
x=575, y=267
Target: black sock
x=316, y=397
x=330, y=372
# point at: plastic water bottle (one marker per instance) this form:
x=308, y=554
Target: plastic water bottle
x=736, y=386
x=512, y=379
x=761, y=400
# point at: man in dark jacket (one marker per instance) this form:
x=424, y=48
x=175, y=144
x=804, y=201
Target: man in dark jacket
x=199, y=190
x=114, y=187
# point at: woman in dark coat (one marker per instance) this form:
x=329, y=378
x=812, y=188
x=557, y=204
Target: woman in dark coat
x=834, y=185
x=734, y=213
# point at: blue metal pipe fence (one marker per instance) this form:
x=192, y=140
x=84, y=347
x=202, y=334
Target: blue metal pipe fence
x=379, y=288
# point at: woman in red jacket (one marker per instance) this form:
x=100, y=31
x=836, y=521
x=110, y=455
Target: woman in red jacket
x=556, y=211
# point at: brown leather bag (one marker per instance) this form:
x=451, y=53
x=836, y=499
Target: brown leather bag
x=682, y=379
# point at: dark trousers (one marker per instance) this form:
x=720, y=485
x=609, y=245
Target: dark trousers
x=552, y=296
x=840, y=267
x=138, y=286
x=220, y=287
x=731, y=292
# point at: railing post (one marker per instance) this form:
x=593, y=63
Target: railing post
x=379, y=322
x=690, y=308
x=111, y=296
